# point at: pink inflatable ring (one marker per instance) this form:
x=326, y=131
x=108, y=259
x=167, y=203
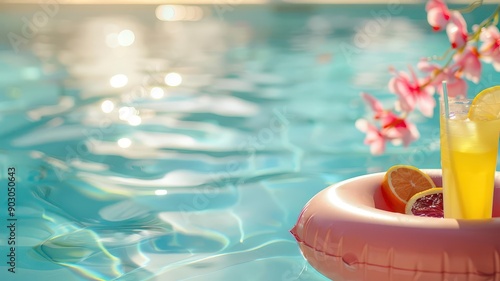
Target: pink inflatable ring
x=347, y=233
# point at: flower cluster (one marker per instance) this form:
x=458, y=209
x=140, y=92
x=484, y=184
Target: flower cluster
x=465, y=56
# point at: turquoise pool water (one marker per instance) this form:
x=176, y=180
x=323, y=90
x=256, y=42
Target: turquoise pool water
x=151, y=150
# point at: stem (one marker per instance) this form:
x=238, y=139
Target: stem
x=398, y=121
x=471, y=7
x=491, y=20
x=442, y=57
x=440, y=70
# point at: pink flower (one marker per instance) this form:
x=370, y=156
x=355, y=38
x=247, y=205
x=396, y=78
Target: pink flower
x=438, y=14
x=374, y=104
x=456, y=86
x=394, y=128
x=440, y=17
x=374, y=138
x=467, y=62
x=413, y=92
x=400, y=129
x=385, y=117
x=490, y=47
x=436, y=74
x=457, y=30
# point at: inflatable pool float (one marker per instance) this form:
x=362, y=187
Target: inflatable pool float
x=348, y=233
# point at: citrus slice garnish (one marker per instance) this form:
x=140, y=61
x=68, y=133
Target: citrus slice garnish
x=401, y=182
x=428, y=203
x=486, y=105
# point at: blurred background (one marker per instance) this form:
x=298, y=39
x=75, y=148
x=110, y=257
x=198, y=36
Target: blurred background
x=179, y=140
x=233, y=1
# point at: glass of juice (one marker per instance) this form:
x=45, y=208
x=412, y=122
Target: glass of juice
x=469, y=152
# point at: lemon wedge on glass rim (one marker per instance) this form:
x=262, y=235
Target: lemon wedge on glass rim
x=486, y=105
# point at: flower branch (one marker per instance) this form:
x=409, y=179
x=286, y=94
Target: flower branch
x=464, y=61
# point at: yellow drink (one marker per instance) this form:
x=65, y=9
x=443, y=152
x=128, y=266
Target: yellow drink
x=469, y=152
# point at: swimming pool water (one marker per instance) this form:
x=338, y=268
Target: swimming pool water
x=150, y=150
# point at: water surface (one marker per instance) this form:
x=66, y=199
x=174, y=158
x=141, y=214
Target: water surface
x=185, y=150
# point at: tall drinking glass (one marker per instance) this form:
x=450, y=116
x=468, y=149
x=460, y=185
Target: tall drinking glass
x=469, y=152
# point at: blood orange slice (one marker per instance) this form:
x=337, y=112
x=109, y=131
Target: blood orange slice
x=401, y=182
x=428, y=203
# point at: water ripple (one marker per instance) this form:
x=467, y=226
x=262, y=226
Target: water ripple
x=188, y=153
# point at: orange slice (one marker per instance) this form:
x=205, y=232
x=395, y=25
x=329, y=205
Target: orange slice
x=428, y=203
x=401, y=182
x=486, y=105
